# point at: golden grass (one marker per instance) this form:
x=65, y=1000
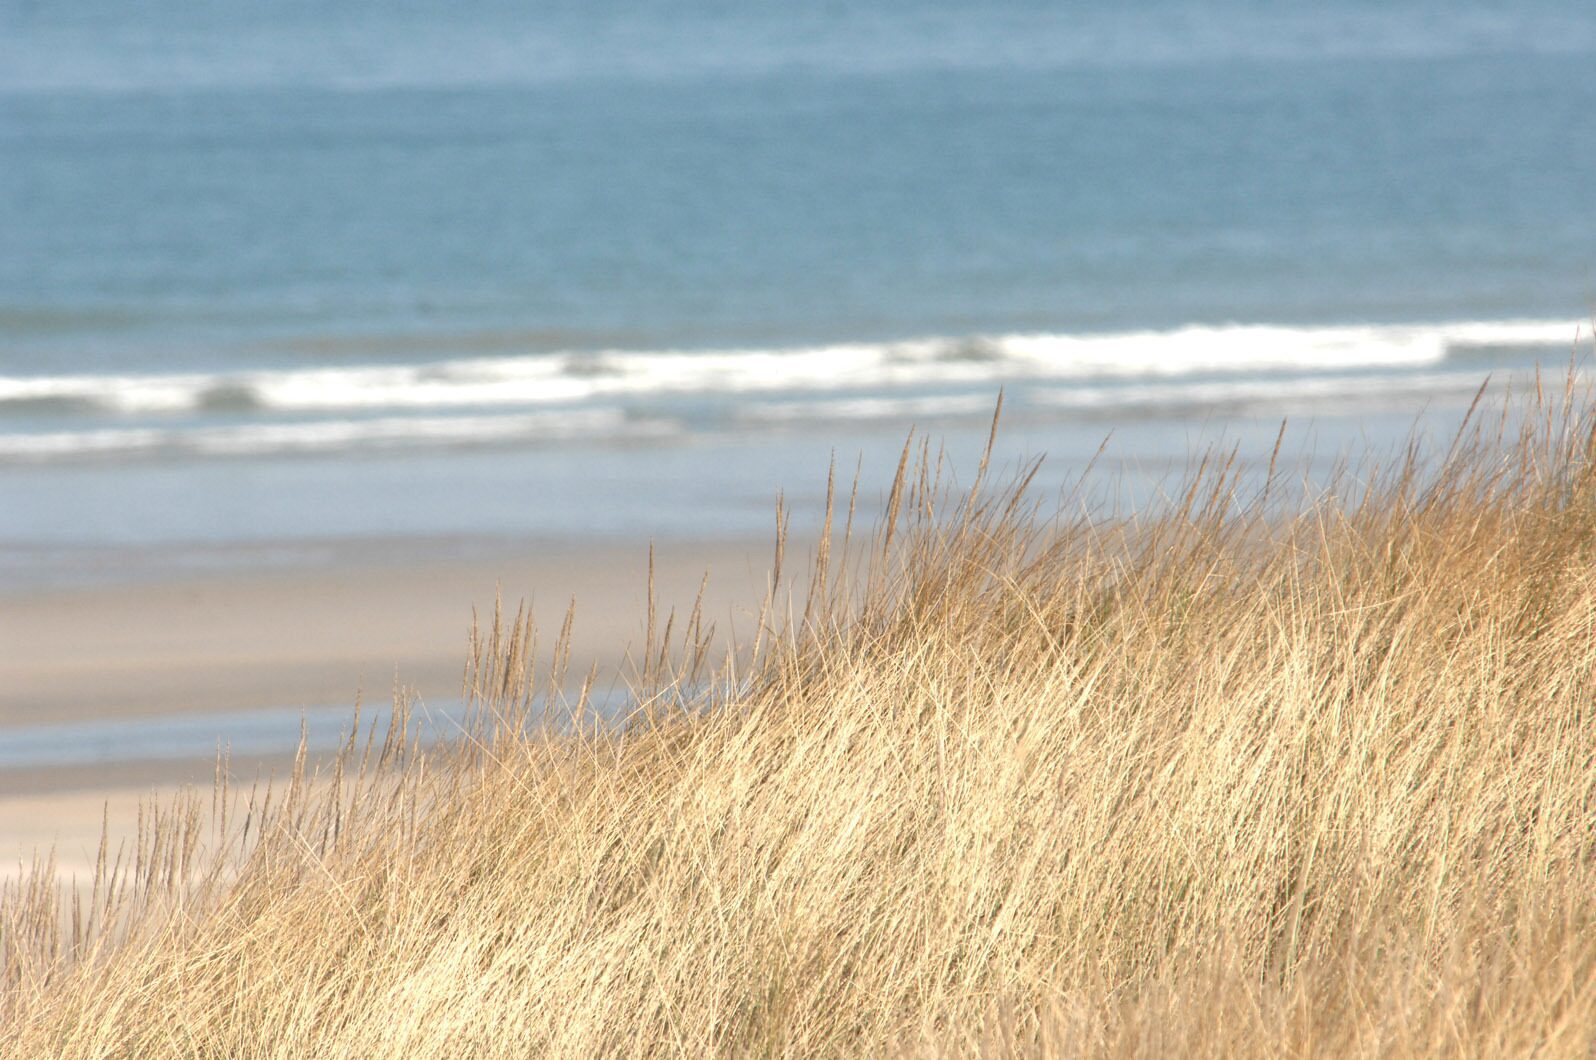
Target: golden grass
x=1242, y=776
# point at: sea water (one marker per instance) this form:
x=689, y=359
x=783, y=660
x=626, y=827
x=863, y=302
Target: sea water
x=281, y=270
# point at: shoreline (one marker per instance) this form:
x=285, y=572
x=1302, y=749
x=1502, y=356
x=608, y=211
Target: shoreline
x=218, y=644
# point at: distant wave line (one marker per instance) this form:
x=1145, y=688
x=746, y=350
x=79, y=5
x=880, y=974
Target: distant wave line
x=520, y=55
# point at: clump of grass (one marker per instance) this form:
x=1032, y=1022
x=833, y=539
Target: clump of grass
x=1234, y=777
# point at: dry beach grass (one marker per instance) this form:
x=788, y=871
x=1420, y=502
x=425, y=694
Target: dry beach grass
x=1244, y=775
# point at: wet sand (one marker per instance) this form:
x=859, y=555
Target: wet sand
x=311, y=637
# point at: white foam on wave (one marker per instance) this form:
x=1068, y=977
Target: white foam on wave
x=118, y=393
x=575, y=378
x=329, y=436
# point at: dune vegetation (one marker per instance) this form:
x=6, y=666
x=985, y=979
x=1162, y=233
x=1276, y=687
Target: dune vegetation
x=1254, y=772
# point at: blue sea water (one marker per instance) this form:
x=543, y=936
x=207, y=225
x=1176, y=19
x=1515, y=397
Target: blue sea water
x=282, y=268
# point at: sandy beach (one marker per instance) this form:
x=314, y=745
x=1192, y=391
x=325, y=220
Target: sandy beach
x=223, y=645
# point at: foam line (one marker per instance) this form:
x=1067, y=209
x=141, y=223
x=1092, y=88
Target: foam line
x=327, y=436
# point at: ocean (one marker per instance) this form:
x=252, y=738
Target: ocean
x=278, y=273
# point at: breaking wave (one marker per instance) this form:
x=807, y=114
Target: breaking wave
x=622, y=396
x=564, y=379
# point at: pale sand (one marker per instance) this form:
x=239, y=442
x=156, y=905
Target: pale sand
x=308, y=637
x=69, y=824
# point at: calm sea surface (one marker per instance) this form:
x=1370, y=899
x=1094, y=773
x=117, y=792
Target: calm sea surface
x=279, y=271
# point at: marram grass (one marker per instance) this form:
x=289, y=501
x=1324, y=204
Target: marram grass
x=1239, y=776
